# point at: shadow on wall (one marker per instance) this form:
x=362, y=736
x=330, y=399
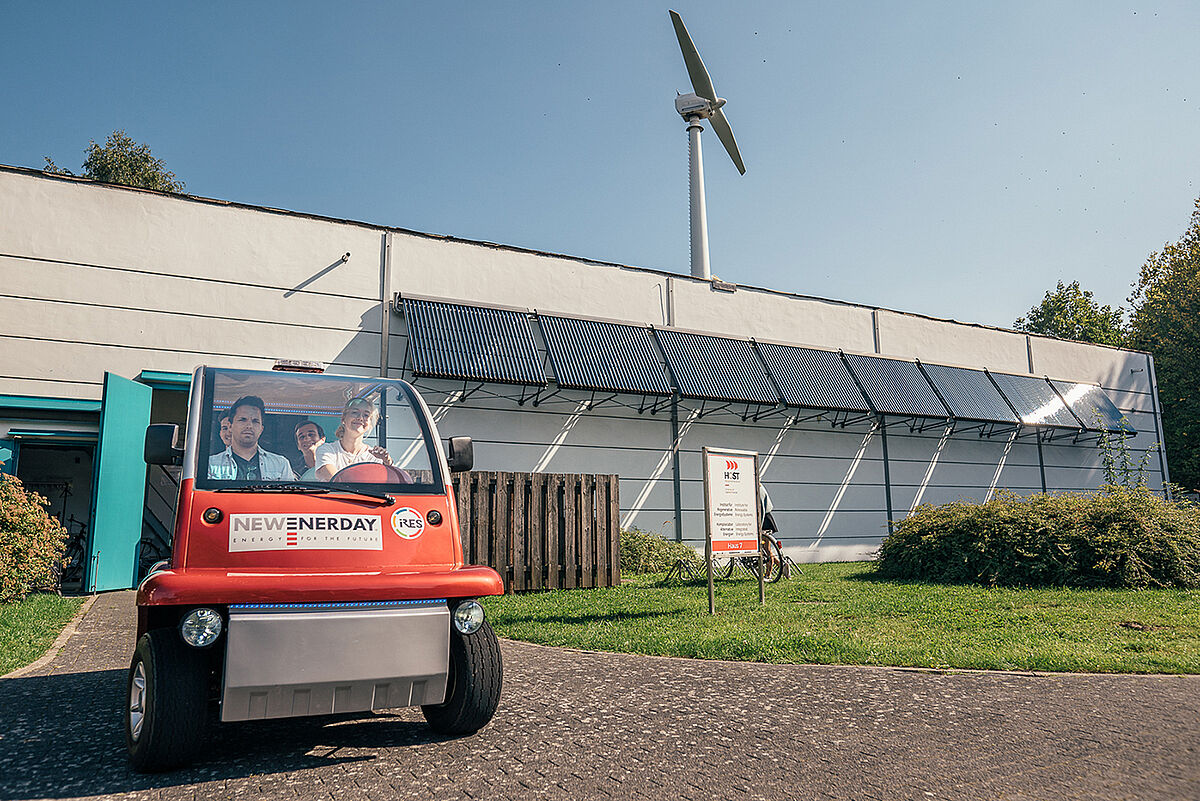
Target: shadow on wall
x=360, y=355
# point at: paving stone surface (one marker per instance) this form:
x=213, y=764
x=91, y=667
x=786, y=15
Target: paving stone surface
x=585, y=725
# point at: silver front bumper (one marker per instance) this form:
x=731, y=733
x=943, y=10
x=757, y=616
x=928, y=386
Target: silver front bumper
x=287, y=660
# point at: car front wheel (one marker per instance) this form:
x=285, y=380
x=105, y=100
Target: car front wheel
x=167, y=709
x=473, y=686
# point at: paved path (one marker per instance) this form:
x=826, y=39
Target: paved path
x=585, y=725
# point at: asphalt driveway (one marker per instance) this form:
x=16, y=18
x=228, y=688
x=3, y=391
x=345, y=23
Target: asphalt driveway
x=586, y=725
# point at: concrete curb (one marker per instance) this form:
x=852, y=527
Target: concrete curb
x=57, y=645
x=943, y=671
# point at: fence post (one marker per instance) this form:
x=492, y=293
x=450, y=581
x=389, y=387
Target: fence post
x=571, y=530
x=600, y=531
x=613, y=528
x=479, y=519
x=587, y=529
x=553, y=533
x=517, y=486
x=537, y=531
x=502, y=527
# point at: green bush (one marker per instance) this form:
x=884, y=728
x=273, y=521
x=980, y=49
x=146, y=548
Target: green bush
x=31, y=542
x=1122, y=537
x=647, y=552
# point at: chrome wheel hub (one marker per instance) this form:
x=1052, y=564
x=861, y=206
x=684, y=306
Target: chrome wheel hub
x=137, y=701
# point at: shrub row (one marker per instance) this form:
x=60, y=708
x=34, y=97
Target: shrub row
x=31, y=542
x=647, y=552
x=1119, y=537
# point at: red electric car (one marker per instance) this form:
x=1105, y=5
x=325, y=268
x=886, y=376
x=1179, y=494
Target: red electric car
x=298, y=588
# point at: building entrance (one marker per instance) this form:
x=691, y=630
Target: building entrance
x=63, y=475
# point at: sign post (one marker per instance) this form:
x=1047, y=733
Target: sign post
x=731, y=511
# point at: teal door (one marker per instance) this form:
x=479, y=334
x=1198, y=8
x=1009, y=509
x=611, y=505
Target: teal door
x=119, y=488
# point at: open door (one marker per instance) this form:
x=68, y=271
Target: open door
x=119, y=489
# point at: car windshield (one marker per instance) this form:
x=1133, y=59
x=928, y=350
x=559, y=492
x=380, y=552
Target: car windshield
x=262, y=431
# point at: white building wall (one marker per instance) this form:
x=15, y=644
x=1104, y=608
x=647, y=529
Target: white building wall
x=102, y=278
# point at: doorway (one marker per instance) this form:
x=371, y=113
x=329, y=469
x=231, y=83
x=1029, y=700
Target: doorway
x=62, y=474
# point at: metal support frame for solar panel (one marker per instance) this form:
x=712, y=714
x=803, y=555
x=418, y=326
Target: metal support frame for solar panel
x=1022, y=391
x=781, y=408
x=695, y=361
x=972, y=398
x=415, y=380
x=1113, y=421
x=463, y=326
x=919, y=399
x=580, y=351
x=817, y=380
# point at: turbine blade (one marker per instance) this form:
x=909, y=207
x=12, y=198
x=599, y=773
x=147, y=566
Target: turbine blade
x=701, y=83
x=721, y=128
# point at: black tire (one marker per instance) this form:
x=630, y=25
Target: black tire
x=174, y=702
x=473, y=686
x=772, y=560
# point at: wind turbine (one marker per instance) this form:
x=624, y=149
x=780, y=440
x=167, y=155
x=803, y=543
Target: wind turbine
x=701, y=104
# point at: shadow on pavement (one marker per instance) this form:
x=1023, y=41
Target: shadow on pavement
x=63, y=735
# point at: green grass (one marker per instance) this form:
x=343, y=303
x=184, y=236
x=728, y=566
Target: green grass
x=840, y=614
x=28, y=628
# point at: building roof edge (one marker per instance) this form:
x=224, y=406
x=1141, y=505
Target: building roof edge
x=33, y=172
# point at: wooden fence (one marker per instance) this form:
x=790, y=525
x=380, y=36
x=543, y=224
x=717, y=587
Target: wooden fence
x=541, y=531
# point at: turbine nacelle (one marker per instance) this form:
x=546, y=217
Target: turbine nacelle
x=693, y=106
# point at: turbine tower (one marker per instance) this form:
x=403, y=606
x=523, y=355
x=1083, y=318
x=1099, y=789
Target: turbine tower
x=701, y=104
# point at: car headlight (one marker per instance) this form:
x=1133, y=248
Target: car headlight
x=201, y=627
x=468, y=617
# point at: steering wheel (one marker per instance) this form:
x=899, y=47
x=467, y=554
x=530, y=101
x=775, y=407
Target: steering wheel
x=372, y=473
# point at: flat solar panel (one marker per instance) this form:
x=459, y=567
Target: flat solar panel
x=716, y=368
x=596, y=355
x=476, y=343
x=970, y=394
x=812, y=379
x=1093, y=407
x=896, y=387
x=1036, y=402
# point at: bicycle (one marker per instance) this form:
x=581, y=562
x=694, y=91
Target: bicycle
x=771, y=551
x=75, y=553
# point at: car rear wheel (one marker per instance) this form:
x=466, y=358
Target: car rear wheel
x=473, y=686
x=167, y=712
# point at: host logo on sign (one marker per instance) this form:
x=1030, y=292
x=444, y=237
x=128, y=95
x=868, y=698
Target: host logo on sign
x=408, y=523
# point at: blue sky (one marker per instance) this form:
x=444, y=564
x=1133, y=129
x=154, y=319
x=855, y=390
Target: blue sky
x=953, y=159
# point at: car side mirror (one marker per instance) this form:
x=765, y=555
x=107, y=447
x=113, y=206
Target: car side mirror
x=160, y=444
x=462, y=454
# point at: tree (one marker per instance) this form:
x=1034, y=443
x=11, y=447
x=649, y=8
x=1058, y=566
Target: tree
x=123, y=161
x=1070, y=312
x=1165, y=320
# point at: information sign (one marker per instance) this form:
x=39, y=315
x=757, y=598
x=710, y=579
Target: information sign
x=731, y=502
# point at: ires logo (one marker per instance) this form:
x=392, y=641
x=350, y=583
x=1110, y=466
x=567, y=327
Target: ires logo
x=408, y=523
x=731, y=470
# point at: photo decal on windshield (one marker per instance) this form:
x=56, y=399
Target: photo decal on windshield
x=301, y=532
